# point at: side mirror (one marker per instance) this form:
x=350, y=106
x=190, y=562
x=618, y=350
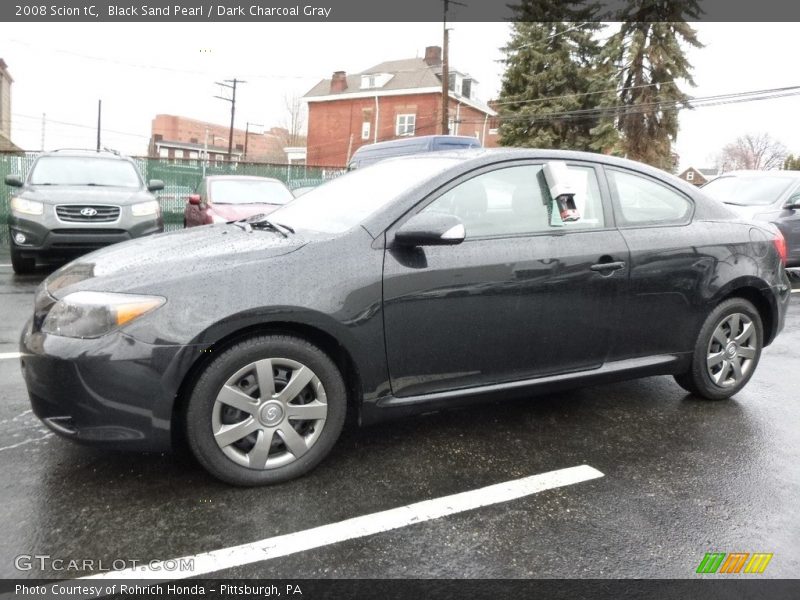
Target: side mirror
x=155, y=185
x=431, y=229
x=14, y=180
x=791, y=204
x=194, y=199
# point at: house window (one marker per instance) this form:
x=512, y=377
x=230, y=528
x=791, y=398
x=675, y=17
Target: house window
x=405, y=124
x=365, y=127
x=690, y=176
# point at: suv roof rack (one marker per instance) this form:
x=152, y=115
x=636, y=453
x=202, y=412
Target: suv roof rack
x=87, y=150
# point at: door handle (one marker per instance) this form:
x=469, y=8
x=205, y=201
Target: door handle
x=608, y=266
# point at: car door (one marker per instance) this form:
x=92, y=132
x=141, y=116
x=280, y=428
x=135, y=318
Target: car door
x=525, y=295
x=667, y=268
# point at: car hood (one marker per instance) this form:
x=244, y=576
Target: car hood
x=143, y=264
x=85, y=194
x=234, y=212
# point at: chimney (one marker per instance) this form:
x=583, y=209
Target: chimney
x=433, y=56
x=338, y=82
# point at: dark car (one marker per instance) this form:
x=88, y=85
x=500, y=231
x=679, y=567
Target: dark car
x=372, y=153
x=770, y=196
x=223, y=198
x=413, y=285
x=75, y=201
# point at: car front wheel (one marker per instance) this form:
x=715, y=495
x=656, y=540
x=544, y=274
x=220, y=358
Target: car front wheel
x=727, y=351
x=267, y=410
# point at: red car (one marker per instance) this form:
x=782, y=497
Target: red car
x=223, y=198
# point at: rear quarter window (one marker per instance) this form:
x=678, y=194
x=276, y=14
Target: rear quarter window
x=643, y=201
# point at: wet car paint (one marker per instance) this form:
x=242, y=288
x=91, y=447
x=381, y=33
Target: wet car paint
x=329, y=288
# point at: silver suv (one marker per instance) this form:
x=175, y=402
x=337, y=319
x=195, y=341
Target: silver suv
x=75, y=201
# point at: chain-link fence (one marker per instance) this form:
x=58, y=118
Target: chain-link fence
x=180, y=179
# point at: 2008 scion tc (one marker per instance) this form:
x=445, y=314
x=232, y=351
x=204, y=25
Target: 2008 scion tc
x=412, y=285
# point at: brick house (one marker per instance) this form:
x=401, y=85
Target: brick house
x=177, y=137
x=6, y=145
x=390, y=100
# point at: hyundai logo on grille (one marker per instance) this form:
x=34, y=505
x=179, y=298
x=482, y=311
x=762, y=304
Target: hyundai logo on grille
x=88, y=211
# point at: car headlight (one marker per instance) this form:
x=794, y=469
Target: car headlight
x=144, y=209
x=92, y=314
x=26, y=207
x=216, y=219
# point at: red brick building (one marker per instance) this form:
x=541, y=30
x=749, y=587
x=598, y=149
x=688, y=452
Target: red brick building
x=179, y=137
x=390, y=100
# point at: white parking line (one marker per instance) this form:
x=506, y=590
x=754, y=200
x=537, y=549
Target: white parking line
x=357, y=527
x=10, y=355
x=28, y=441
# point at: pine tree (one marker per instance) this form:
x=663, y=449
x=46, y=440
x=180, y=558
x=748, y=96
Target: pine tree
x=549, y=72
x=646, y=57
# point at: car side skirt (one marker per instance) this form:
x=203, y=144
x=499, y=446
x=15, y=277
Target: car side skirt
x=392, y=407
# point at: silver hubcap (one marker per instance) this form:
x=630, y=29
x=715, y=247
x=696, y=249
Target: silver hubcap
x=269, y=413
x=731, y=350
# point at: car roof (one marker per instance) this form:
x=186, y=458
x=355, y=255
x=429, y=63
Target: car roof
x=85, y=153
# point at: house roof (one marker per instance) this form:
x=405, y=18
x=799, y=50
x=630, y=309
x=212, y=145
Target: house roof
x=407, y=75
x=708, y=172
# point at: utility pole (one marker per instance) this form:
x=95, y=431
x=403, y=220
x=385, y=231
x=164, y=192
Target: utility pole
x=247, y=134
x=446, y=67
x=99, y=112
x=44, y=124
x=231, y=84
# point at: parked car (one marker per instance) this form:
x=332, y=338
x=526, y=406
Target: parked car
x=372, y=153
x=413, y=285
x=771, y=196
x=75, y=201
x=222, y=198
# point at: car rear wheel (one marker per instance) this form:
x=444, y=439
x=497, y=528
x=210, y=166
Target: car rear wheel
x=726, y=353
x=21, y=264
x=267, y=410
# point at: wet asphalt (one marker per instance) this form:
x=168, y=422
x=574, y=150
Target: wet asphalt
x=682, y=477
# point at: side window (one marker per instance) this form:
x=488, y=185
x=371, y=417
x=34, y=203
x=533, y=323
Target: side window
x=643, y=201
x=516, y=200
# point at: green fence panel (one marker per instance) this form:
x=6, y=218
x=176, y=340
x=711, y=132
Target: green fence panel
x=180, y=179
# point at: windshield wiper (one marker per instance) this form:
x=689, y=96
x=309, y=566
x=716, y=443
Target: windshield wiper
x=261, y=221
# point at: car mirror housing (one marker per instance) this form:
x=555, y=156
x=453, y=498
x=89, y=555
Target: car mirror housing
x=155, y=185
x=431, y=229
x=194, y=199
x=14, y=180
x=791, y=204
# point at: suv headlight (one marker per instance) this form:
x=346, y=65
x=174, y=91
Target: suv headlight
x=144, y=209
x=26, y=207
x=92, y=314
x=218, y=219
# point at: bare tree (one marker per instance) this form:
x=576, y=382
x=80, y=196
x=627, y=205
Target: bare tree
x=752, y=151
x=295, y=118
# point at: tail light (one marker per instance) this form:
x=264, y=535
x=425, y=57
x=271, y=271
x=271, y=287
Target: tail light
x=780, y=246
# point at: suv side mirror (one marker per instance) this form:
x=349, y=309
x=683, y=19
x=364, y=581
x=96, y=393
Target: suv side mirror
x=431, y=229
x=791, y=204
x=194, y=199
x=14, y=180
x=155, y=185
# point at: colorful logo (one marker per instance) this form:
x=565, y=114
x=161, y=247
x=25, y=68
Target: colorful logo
x=734, y=562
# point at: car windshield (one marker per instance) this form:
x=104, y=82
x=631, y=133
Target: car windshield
x=748, y=191
x=348, y=200
x=80, y=170
x=249, y=191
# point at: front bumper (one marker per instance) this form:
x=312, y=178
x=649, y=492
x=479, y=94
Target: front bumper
x=114, y=391
x=58, y=239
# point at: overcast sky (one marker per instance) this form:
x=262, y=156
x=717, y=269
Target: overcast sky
x=140, y=70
